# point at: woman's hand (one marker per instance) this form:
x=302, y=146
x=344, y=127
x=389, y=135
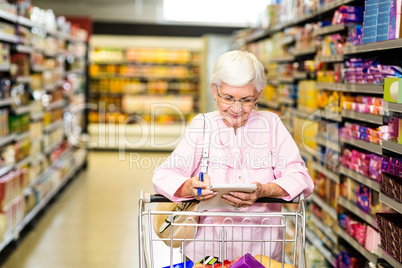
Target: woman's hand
x=241, y=199
x=190, y=188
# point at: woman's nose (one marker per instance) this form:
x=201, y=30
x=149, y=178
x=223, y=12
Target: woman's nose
x=237, y=106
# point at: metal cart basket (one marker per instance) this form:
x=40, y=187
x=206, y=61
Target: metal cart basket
x=229, y=232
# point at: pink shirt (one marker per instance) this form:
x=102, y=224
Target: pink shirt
x=261, y=151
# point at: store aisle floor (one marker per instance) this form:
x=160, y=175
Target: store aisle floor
x=94, y=222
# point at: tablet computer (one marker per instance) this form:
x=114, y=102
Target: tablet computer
x=217, y=202
x=227, y=188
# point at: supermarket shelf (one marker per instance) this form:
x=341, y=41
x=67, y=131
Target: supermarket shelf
x=51, y=148
x=372, y=47
x=329, y=86
x=330, y=58
x=305, y=51
x=324, y=228
x=282, y=59
x=328, y=144
x=73, y=39
x=368, y=146
x=357, y=211
x=273, y=81
x=392, y=146
x=48, y=169
x=23, y=79
x=49, y=54
x=168, y=93
x=38, y=158
x=24, y=49
x=330, y=29
x=53, y=126
x=38, y=68
x=165, y=140
x=389, y=258
x=299, y=75
x=393, y=107
x=303, y=19
x=364, y=88
x=4, y=170
x=8, y=238
x=304, y=114
x=77, y=72
x=146, y=77
x=38, y=139
x=23, y=162
x=50, y=88
x=261, y=34
x=287, y=40
x=328, y=115
x=397, y=206
x=37, y=116
x=137, y=62
x=10, y=38
x=333, y=5
x=56, y=105
x=25, y=22
x=6, y=102
x=317, y=243
x=7, y=139
x=370, y=118
x=286, y=79
x=23, y=110
x=269, y=104
x=8, y=16
x=352, y=88
x=28, y=218
x=372, y=184
x=287, y=101
x=330, y=210
x=22, y=136
x=326, y=172
x=369, y=256
x=4, y=68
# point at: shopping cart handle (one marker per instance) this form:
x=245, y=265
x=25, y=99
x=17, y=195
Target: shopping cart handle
x=157, y=198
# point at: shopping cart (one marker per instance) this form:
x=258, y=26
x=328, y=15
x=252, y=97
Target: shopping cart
x=281, y=222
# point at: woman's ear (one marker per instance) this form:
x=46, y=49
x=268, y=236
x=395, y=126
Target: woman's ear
x=259, y=94
x=214, y=91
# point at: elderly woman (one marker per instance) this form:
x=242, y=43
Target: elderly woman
x=246, y=147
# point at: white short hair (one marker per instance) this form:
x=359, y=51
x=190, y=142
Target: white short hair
x=238, y=68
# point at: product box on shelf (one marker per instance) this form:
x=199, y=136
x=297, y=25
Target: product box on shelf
x=370, y=21
x=383, y=18
x=391, y=185
x=390, y=227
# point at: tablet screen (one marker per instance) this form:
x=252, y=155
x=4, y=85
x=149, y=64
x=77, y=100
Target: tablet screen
x=217, y=202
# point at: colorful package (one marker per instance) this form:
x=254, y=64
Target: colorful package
x=363, y=198
x=247, y=261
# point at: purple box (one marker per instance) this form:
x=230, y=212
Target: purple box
x=247, y=261
x=392, y=21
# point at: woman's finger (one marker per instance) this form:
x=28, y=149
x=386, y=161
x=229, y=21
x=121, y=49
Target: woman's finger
x=207, y=180
x=232, y=200
x=207, y=196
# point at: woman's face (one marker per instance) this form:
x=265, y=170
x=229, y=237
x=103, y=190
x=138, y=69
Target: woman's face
x=235, y=115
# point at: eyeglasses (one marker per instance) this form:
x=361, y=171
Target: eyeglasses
x=232, y=101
